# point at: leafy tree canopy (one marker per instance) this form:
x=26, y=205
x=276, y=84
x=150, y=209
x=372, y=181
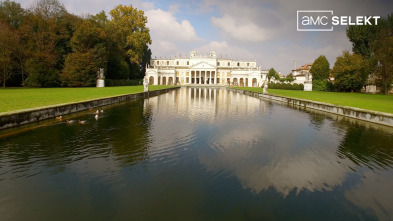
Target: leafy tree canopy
x=320, y=68
x=350, y=72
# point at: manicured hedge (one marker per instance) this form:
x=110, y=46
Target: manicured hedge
x=286, y=86
x=114, y=83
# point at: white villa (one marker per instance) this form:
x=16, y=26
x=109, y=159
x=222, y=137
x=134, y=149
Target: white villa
x=302, y=74
x=205, y=70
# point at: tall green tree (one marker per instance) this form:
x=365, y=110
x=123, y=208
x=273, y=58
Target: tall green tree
x=12, y=13
x=100, y=20
x=320, y=68
x=8, y=39
x=80, y=70
x=350, y=72
x=383, y=54
x=47, y=29
x=90, y=54
x=361, y=37
x=273, y=73
x=130, y=31
x=320, y=73
x=373, y=42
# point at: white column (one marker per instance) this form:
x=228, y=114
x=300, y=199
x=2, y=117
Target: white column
x=199, y=96
x=194, y=96
x=214, y=99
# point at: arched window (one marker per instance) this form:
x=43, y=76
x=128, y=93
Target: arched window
x=238, y=64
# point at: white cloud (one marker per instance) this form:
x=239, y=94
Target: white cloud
x=167, y=33
x=173, y=9
x=94, y=6
x=245, y=31
x=226, y=50
x=164, y=25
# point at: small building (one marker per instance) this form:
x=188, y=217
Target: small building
x=302, y=74
x=205, y=70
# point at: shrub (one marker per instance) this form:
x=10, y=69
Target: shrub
x=286, y=86
x=330, y=86
x=319, y=85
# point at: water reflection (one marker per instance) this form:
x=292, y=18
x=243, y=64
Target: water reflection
x=204, y=104
x=367, y=147
x=210, y=153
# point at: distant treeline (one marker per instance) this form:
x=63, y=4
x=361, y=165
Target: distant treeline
x=46, y=46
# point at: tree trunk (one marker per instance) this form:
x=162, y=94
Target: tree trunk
x=385, y=88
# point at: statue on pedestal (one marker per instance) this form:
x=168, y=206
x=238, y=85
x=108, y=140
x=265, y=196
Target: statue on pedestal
x=145, y=84
x=100, y=78
x=265, y=87
x=100, y=73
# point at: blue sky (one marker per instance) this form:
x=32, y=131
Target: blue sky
x=249, y=29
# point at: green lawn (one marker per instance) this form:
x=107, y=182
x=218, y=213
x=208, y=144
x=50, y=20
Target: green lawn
x=12, y=99
x=375, y=102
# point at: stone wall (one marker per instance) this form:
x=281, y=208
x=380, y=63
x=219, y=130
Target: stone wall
x=23, y=117
x=360, y=114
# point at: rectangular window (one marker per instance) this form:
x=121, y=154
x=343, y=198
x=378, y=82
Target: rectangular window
x=238, y=64
x=177, y=62
x=158, y=62
x=218, y=80
x=167, y=63
x=229, y=64
x=248, y=64
x=187, y=80
x=218, y=63
x=188, y=63
x=188, y=74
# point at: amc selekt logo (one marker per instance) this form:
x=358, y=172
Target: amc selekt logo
x=323, y=20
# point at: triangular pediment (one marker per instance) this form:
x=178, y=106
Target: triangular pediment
x=150, y=70
x=202, y=65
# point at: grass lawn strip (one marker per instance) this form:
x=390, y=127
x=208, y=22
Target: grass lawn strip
x=373, y=102
x=18, y=99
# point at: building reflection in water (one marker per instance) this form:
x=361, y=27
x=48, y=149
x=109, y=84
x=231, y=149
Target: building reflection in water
x=267, y=146
x=204, y=104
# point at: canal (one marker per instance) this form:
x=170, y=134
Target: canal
x=198, y=154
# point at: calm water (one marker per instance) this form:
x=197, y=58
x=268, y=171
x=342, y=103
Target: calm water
x=198, y=154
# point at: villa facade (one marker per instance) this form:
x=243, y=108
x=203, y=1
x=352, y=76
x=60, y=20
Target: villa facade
x=205, y=70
